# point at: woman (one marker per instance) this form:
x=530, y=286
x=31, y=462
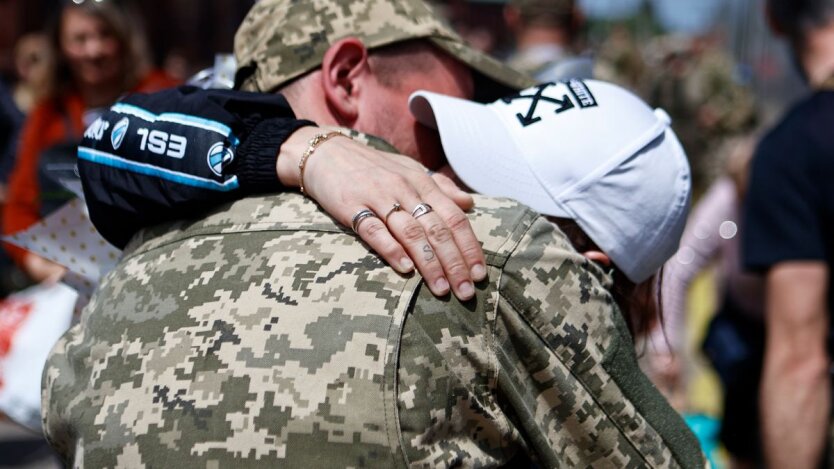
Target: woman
x=98, y=56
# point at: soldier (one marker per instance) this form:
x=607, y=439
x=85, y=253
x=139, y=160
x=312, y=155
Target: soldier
x=265, y=333
x=545, y=34
x=697, y=82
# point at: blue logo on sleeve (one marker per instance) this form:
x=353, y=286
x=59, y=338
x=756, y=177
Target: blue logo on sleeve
x=117, y=136
x=219, y=156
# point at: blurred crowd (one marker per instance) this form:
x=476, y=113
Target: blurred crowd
x=64, y=74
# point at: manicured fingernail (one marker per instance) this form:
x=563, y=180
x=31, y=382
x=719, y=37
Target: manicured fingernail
x=406, y=265
x=478, y=272
x=466, y=290
x=441, y=286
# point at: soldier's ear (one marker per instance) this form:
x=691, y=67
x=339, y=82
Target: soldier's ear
x=343, y=66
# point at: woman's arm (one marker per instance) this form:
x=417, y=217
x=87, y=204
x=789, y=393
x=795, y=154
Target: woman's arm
x=173, y=154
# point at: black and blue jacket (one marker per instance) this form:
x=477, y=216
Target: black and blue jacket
x=175, y=153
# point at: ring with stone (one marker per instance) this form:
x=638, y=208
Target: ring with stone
x=394, y=208
x=420, y=210
x=360, y=216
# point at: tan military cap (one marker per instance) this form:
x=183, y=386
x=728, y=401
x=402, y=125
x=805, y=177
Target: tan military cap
x=283, y=39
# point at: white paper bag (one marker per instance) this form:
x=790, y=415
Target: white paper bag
x=31, y=322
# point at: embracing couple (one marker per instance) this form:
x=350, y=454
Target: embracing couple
x=265, y=332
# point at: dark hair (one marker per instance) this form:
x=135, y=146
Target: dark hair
x=794, y=18
x=638, y=303
x=122, y=27
x=391, y=61
x=547, y=13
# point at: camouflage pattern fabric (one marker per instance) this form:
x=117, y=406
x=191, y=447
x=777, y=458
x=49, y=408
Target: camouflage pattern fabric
x=280, y=40
x=697, y=84
x=266, y=334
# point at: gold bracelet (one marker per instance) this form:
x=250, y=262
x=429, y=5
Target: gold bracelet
x=314, y=143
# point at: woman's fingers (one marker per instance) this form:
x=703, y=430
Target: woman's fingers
x=374, y=232
x=457, y=223
x=443, y=246
x=440, y=241
x=413, y=237
x=348, y=177
x=455, y=220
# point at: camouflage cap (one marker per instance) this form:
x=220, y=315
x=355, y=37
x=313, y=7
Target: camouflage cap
x=280, y=40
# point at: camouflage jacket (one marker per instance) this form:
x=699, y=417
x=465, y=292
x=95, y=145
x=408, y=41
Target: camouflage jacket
x=266, y=334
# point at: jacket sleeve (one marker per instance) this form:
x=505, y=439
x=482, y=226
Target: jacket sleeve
x=172, y=154
x=568, y=369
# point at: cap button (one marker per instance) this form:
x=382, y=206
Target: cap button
x=663, y=116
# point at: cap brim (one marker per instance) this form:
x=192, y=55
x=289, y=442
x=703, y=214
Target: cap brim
x=509, y=79
x=480, y=149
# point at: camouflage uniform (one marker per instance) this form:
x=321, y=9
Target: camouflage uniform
x=267, y=334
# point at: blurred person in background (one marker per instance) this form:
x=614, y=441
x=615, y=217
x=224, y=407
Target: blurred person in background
x=619, y=60
x=480, y=24
x=789, y=237
x=697, y=82
x=31, y=58
x=97, y=56
x=16, y=99
x=545, y=35
x=176, y=65
x=10, y=121
x=31, y=54
x=735, y=339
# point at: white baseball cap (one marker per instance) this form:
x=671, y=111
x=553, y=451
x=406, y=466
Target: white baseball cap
x=581, y=149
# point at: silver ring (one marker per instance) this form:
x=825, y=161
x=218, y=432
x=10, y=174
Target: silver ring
x=395, y=208
x=361, y=215
x=420, y=210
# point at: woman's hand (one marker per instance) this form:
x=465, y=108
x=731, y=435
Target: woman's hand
x=345, y=177
x=40, y=269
